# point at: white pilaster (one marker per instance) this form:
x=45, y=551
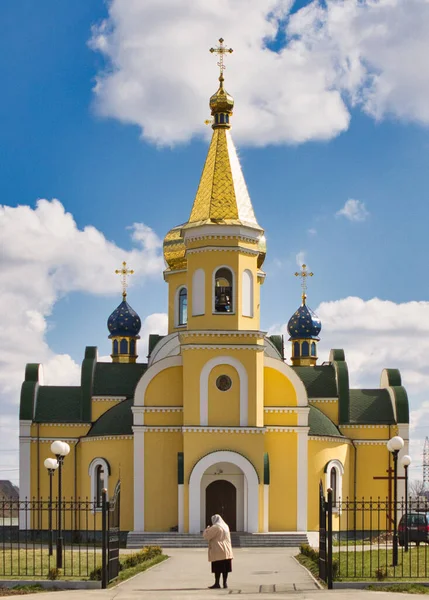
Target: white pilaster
x=24, y=471
x=266, y=507
x=302, y=476
x=138, y=468
x=180, y=506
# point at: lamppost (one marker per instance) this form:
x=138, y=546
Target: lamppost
x=394, y=445
x=60, y=449
x=52, y=465
x=405, y=462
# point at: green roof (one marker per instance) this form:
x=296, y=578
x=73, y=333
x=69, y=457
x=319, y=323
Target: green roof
x=320, y=424
x=371, y=406
x=117, y=379
x=58, y=404
x=319, y=381
x=118, y=420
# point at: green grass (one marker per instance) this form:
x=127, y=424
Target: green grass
x=376, y=564
x=404, y=588
x=127, y=573
x=28, y=564
x=25, y=589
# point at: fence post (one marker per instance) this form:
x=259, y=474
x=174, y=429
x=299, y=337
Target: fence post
x=329, y=540
x=322, y=534
x=104, y=563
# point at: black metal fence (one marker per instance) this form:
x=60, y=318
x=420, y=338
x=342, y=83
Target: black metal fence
x=362, y=542
x=30, y=535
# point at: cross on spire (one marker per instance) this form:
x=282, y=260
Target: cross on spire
x=221, y=50
x=304, y=274
x=124, y=272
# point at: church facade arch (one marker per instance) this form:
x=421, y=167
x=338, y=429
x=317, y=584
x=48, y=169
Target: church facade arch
x=289, y=373
x=204, y=387
x=250, y=491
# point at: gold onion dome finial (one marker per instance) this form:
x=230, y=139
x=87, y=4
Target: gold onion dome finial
x=221, y=103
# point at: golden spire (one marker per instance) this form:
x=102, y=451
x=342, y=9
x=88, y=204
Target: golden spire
x=124, y=272
x=304, y=274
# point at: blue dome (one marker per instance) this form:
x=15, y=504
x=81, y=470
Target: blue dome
x=304, y=323
x=124, y=321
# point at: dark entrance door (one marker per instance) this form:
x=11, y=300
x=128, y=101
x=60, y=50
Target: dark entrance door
x=221, y=499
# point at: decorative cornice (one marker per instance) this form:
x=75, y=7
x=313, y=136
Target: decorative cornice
x=370, y=442
x=162, y=409
x=329, y=438
x=287, y=429
x=221, y=333
x=168, y=272
x=99, y=438
x=323, y=399
x=50, y=440
x=156, y=429
x=108, y=398
x=208, y=429
x=64, y=424
x=256, y=347
x=356, y=426
x=240, y=249
x=287, y=409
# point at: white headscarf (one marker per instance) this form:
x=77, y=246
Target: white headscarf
x=217, y=520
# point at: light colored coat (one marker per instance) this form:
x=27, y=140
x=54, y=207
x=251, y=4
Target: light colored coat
x=219, y=543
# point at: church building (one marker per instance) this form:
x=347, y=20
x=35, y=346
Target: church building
x=219, y=417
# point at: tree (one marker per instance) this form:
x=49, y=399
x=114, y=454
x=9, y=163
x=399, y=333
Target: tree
x=416, y=488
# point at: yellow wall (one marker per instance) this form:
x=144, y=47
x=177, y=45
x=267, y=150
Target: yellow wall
x=330, y=409
x=282, y=451
x=161, y=511
x=278, y=390
x=165, y=389
x=99, y=407
x=224, y=407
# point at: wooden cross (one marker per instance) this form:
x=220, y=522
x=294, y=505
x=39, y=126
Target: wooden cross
x=304, y=274
x=124, y=272
x=389, y=477
x=221, y=50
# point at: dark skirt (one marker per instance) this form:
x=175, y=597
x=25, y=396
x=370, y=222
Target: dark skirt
x=222, y=566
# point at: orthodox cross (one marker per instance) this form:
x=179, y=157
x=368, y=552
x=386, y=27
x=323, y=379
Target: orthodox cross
x=304, y=274
x=221, y=50
x=124, y=272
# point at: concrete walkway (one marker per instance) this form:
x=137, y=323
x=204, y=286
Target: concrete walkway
x=269, y=573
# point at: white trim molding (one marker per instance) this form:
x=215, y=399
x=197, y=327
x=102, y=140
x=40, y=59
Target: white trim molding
x=302, y=479
x=337, y=466
x=190, y=429
x=251, y=488
x=289, y=373
x=204, y=387
x=24, y=471
x=151, y=373
x=92, y=472
x=139, y=460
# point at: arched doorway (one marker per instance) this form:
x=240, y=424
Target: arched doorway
x=221, y=499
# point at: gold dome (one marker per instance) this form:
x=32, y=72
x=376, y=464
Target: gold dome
x=174, y=249
x=221, y=101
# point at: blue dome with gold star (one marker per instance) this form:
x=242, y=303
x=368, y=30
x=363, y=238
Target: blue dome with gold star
x=304, y=323
x=124, y=321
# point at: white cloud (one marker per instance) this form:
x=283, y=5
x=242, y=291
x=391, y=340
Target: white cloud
x=378, y=334
x=312, y=231
x=44, y=256
x=362, y=53
x=155, y=323
x=353, y=210
x=300, y=258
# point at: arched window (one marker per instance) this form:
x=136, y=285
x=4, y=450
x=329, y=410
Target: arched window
x=313, y=348
x=334, y=471
x=99, y=471
x=115, y=346
x=183, y=307
x=132, y=346
x=124, y=346
x=305, y=349
x=296, y=349
x=223, y=292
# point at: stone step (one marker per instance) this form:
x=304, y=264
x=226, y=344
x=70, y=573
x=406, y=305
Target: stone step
x=239, y=540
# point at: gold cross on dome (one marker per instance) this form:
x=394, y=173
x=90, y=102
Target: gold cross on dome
x=221, y=50
x=124, y=272
x=304, y=274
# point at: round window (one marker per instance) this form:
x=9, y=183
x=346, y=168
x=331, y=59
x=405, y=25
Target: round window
x=223, y=383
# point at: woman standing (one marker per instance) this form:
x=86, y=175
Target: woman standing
x=220, y=550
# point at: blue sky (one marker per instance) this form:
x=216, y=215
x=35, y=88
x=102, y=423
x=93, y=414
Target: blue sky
x=61, y=139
